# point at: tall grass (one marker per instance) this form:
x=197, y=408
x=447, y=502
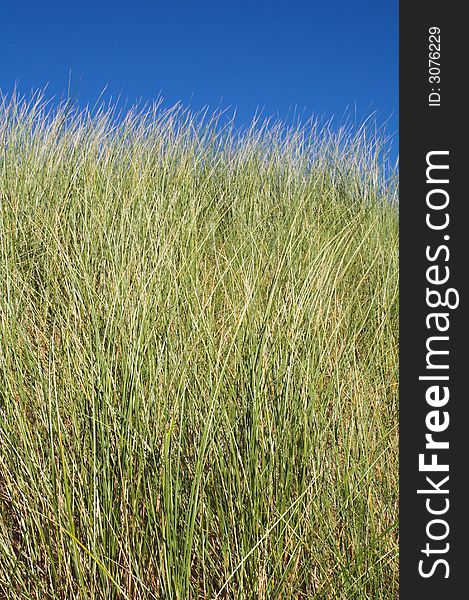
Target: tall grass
x=198, y=356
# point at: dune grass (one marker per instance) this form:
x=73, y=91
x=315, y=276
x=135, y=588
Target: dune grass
x=198, y=357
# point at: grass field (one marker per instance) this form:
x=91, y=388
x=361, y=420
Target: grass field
x=198, y=357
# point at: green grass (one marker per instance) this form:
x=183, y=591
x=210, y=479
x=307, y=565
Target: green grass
x=198, y=356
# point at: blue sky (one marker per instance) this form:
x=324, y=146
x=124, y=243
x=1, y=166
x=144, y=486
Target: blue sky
x=322, y=57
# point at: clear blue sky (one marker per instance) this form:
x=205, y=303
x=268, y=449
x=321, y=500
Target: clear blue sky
x=321, y=56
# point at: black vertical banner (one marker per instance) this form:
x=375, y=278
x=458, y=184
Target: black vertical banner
x=434, y=248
